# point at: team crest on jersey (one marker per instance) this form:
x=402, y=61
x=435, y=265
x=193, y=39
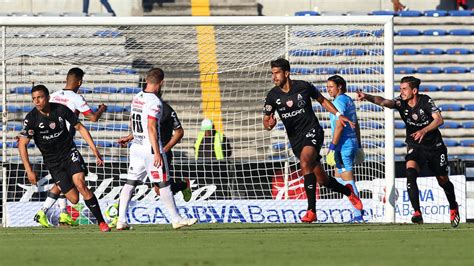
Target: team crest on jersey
x=289, y=103
x=52, y=125
x=31, y=132
x=414, y=116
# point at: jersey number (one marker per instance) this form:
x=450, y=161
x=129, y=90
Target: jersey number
x=137, y=123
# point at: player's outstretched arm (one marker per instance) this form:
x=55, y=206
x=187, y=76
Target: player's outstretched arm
x=94, y=116
x=123, y=141
x=378, y=100
x=178, y=134
x=326, y=104
x=269, y=121
x=23, y=148
x=153, y=134
x=87, y=137
x=437, y=122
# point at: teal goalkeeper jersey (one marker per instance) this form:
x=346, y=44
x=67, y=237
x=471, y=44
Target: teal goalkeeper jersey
x=346, y=107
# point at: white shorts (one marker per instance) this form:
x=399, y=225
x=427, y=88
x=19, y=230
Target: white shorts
x=141, y=165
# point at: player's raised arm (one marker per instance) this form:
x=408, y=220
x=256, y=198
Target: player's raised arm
x=378, y=100
x=94, y=116
x=332, y=109
x=88, y=138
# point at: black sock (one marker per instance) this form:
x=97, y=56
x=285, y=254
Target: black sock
x=338, y=187
x=310, y=188
x=178, y=185
x=412, y=188
x=449, y=191
x=94, y=207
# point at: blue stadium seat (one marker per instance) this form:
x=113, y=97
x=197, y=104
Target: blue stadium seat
x=358, y=33
x=408, y=32
x=327, y=52
x=461, y=32
x=371, y=125
x=456, y=70
x=13, y=126
x=373, y=88
x=280, y=126
x=451, y=142
x=352, y=88
x=468, y=124
x=123, y=71
x=383, y=13
x=436, y=13
x=454, y=51
x=301, y=71
x=130, y=90
x=93, y=126
x=396, y=88
x=410, y=13
x=85, y=90
x=399, y=143
x=428, y=87
x=104, y=143
x=430, y=70
x=302, y=52
x=405, y=51
x=12, y=108
x=279, y=146
x=325, y=71
x=318, y=108
x=306, y=13
x=469, y=107
x=353, y=52
x=470, y=88
x=105, y=89
x=404, y=70
x=450, y=124
x=431, y=51
x=377, y=51
x=277, y=157
x=435, y=32
x=321, y=88
x=305, y=33
x=331, y=33
x=377, y=33
x=116, y=127
x=115, y=109
x=467, y=142
x=21, y=90
x=371, y=107
x=460, y=13
x=107, y=33
x=452, y=88
x=374, y=70
x=373, y=144
x=450, y=107
x=351, y=71
x=325, y=125
x=400, y=125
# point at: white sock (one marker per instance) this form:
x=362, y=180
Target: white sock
x=62, y=202
x=48, y=203
x=125, y=196
x=168, y=200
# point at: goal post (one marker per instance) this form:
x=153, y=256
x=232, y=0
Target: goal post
x=215, y=68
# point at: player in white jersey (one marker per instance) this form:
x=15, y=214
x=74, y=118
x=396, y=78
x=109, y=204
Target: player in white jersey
x=77, y=104
x=146, y=152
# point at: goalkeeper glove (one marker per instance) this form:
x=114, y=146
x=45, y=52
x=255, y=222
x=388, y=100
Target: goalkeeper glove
x=330, y=159
x=360, y=156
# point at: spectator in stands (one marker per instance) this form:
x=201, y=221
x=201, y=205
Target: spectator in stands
x=397, y=6
x=105, y=3
x=210, y=143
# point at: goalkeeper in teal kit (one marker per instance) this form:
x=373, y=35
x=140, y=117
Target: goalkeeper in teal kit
x=345, y=148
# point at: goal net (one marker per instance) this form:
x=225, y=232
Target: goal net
x=215, y=68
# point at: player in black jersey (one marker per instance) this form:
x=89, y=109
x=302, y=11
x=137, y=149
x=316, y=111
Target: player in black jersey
x=292, y=100
x=424, y=142
x=46, y=124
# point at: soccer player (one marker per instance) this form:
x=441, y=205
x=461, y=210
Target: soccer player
x=77, y=104
x=292, y=100
x=424, y=142
x=345, y=146
x=146, y=152
x=46, y=123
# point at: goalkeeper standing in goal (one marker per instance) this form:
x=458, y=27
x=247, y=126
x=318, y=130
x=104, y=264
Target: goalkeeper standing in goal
x=424, y=142
x=146, y=152
x=345, y=146
x=46, y=123
x=76, y=103
x=292, y=100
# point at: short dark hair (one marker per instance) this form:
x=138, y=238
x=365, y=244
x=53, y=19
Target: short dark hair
x=281, y=63
x=412, y=81
x=339, y=82
x=155, y=75
x=40, y=88
x=75, y=72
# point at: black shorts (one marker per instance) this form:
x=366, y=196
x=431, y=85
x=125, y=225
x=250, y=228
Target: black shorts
x=437, y=159
x=314, y=137
x=63, y=171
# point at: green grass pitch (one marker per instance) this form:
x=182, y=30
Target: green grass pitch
x=242, y=244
